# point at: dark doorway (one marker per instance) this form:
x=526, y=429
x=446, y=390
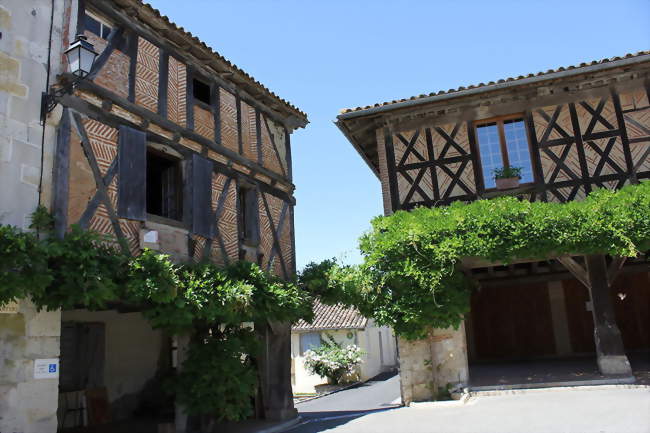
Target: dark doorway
x=511, y=322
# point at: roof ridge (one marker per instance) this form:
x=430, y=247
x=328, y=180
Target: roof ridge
x=337, y=316
x=499, y=81
x=228, y=63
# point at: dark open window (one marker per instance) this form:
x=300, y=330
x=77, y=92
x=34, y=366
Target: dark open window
x=503, y=142
x=201, y=91
x=164, y=185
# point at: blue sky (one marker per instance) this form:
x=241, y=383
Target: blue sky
x=327, y=55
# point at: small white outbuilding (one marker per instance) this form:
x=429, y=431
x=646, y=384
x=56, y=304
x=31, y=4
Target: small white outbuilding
x=347, y=326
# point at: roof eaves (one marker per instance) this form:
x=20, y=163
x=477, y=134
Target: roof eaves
x=327, y=328
x=202, y=45
x=344, y=130
x=604, y=64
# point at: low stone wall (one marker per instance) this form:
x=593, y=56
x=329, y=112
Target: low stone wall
x=27, y=404
x=429, y=367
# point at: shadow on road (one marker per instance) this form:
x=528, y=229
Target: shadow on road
x=376, y=395
x=314, y=422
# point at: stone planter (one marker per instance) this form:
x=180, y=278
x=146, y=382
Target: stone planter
x=507, y=183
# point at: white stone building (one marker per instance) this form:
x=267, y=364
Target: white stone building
x=347, y=327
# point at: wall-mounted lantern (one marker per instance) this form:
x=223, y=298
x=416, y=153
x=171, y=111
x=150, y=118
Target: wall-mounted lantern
x=81, y=56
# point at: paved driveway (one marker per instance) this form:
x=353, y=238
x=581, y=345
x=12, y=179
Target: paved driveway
x=573, y=410
x=378, y=394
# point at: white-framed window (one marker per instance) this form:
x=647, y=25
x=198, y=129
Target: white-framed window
x=96, y=25
x=503, y=142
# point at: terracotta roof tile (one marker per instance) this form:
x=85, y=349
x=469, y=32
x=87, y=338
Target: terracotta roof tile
x=332, y=317
x=520, y=77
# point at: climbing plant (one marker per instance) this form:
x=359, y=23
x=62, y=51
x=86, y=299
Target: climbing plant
x=218, y=377
x=411, y=276
x=83, y=269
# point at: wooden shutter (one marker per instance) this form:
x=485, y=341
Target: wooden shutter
x=132, y=184
x=202, y=220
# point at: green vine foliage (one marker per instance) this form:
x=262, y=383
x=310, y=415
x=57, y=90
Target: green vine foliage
x=85, y=270
x=218, y=376
x=411, y=279
x=23, y=264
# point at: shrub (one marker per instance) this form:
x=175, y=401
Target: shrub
x=332, y=360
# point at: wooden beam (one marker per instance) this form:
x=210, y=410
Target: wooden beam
x=99, y=181
x=274, y=232
x=60, y=179
x=113, y=120
x=576, y=269
x=523, y=280
x=615, y=268
x=390, y=168
x=609, y=344
x=361, y=151
x=133, y=63
x=113, y=38
x=120, y=17
x=163, y=83
x=173, y=127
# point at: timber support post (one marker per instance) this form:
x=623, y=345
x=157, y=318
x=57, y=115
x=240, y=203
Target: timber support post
x=274, y=366
x=609, y=344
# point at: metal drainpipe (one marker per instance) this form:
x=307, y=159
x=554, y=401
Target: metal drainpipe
x=47, y=85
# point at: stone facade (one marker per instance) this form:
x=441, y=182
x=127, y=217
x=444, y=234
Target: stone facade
x=27, y=405
x=24, y=59
x=433, y=367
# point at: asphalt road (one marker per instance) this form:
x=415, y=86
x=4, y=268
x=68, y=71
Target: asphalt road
x=320, y=414
x=569, y=410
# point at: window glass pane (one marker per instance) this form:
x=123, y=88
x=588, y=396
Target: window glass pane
x=518, y=150
x=92, y=25
x=309, y=340
x=490, y=149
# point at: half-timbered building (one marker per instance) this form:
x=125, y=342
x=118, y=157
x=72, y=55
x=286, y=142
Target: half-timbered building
x=570, y=131
x=166, y=145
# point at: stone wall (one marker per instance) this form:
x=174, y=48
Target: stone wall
x=24, y=30
x=431, y=366
x=28, y=405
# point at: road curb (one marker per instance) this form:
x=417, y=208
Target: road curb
x=462, y=401
x=331, y=392
x=553, y=386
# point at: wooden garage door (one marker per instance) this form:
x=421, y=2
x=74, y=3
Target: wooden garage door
x=512, y=322
x=631, y=298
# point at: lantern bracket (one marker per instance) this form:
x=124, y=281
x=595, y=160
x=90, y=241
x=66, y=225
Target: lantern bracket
x=50, y=100
x=77, y=56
